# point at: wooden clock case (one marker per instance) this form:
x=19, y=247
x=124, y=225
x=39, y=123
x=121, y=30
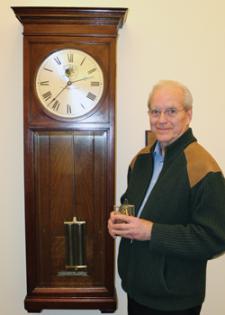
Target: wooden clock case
x=69, y=163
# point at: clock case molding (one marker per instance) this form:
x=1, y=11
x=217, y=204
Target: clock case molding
x=69, y=164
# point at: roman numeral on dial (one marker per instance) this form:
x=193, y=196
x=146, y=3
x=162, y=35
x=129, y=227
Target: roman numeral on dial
x=56, y=105
x=91, y=70
x=70, y=57
x=47, y=69
x=47, y=95
x=57, y=60
x=95, y=83
x=44, y=83
x=91, y=96
x=68, y=109
x=82, y=61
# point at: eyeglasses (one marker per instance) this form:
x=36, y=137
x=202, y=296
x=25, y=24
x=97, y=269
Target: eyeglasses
x=169, y=112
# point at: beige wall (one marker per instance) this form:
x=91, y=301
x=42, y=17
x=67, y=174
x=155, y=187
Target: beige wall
x=170, y=39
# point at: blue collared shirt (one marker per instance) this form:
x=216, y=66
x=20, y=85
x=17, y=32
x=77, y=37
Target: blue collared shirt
x=158, y=164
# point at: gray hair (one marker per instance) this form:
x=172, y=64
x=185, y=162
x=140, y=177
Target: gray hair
x=188, y=99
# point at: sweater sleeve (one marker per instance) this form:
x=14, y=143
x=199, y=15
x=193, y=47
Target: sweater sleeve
x=204, y=236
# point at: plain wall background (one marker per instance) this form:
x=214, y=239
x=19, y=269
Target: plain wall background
x=162, y=39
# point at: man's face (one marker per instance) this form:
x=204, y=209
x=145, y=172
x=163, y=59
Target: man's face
x=168, y=118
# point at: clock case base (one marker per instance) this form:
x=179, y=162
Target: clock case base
x=36, y=305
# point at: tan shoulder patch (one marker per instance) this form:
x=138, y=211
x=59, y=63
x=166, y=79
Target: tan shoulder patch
x=199, y=163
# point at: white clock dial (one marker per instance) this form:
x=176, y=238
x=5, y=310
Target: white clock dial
x=69, y=83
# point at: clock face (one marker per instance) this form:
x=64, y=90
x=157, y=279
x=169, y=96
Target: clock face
x=69, y=83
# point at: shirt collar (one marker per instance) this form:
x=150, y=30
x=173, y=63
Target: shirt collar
x=158, y=152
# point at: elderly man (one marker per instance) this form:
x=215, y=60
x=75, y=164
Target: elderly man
x=178, y=191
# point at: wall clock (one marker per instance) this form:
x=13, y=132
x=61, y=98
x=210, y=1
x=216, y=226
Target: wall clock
x=69, y=155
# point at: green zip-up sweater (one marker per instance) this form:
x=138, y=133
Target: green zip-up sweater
x=187, y=206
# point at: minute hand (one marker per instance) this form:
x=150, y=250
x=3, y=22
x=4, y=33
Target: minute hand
x=82, y=79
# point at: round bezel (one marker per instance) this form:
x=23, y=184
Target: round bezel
x=69, y=83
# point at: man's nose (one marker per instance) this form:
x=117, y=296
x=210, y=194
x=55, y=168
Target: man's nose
x=162, y=117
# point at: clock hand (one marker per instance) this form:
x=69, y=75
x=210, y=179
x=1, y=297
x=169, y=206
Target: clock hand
x=85, y=78
x=67, y=84
x=54, y=98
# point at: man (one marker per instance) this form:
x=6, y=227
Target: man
x=178, y=191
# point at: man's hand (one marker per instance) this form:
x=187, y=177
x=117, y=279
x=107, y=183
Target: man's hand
x=129, y=227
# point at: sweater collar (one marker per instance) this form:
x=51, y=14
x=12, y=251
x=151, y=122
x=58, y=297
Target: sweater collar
x=180, y=144
x=184, y=140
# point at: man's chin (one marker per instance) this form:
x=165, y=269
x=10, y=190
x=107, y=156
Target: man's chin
x=163, y=138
